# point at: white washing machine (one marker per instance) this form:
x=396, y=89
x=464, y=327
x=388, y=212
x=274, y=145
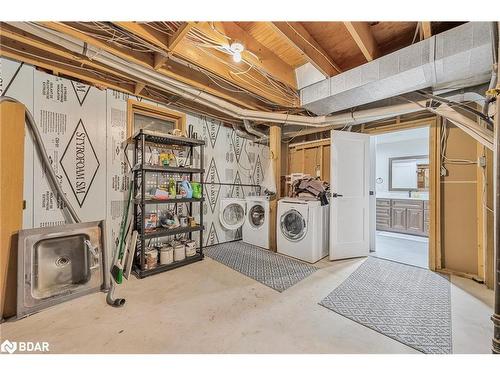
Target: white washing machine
x=302, y=229
x=232, y=213
x=256, y=226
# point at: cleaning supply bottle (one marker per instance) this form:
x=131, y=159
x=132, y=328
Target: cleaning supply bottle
x=186, y=186
x=172, y=191
x=196, y=186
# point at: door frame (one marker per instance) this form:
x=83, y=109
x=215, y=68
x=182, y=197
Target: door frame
x=434, y=125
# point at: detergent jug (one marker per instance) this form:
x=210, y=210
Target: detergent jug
x=186, y=186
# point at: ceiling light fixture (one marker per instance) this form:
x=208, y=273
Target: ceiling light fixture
x=236, y=49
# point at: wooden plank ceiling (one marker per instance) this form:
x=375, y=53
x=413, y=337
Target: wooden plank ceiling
x=198, y=54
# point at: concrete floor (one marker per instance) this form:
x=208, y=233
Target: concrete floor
x=209, y=308
x=403, y=248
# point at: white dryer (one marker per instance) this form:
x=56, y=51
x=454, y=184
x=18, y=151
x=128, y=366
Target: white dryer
x=256, y=226
x=232, y=213
x=302, y=229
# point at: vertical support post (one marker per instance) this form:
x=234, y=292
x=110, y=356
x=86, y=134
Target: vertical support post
x=496, y=315
x=11, y=200
x=275, y=154
x=202, y=181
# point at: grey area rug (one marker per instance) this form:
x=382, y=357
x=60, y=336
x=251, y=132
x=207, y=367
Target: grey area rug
x=409, y=304
x=271, y=269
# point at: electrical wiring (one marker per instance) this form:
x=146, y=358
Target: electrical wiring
x=417, y=29
x=202, y=41
x=159, y=29
x=444, y=143
x=93, y=71
x=212, y=25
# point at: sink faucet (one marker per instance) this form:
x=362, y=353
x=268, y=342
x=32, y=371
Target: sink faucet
x=409, y=193
x=95, y=253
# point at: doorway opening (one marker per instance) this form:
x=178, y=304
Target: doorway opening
x=401, y=182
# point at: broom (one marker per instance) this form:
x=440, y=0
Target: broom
x=117, y=270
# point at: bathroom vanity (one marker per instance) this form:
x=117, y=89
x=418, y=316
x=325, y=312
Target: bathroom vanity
x=408, y=216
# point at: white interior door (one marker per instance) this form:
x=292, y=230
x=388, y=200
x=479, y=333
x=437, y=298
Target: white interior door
x=372, y=193
x=350, y=181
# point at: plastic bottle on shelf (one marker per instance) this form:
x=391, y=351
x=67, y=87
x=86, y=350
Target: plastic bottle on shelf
x=172, y=191
x=186, y=187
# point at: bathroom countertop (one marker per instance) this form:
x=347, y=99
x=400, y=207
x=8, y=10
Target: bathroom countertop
x=386, y=196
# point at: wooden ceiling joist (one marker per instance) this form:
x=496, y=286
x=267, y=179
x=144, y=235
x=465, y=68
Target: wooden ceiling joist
x=300, y=39
x=426, y=29
x=179, y=35
x=139, y=86
x=362, y=35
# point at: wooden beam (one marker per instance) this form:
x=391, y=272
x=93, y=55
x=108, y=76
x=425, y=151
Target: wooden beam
x=139, y=86
x=63, y=68
x=362, y=35
x=275, y=154
x=175, y=39
x=11, y=200
x=26, y=40
x=259, y=55
x=146, y=32
x=142, y=58
x=302, y=41
x=159, y=60
x=426, y=29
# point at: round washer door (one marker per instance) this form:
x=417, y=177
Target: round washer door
x=232, y=216
x=293, y=225
x=256, y=216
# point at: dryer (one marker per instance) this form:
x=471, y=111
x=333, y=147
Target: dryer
x=256, y=226
x=302, y=229
x=232, y=213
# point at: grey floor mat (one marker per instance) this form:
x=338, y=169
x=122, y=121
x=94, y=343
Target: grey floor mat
x=271, y=269
x=409, y=304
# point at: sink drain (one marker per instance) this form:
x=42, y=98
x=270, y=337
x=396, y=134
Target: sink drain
x=62, y=261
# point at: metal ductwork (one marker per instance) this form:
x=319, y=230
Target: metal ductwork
x=458, y=58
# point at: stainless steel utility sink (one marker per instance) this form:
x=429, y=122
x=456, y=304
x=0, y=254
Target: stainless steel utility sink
x=60, y=263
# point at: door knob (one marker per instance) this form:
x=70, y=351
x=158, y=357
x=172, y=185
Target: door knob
x=335, y=195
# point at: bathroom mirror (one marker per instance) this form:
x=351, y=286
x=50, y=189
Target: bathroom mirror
x=409, y=173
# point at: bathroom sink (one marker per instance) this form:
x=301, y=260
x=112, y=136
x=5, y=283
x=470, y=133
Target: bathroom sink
x=60, y=263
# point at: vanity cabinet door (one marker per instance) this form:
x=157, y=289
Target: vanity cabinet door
x=383, y=214
x=415, y=220
x=399, y=218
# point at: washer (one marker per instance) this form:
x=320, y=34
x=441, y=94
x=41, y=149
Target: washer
x=232, y=213
x=256, y=226
x=302, y=229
